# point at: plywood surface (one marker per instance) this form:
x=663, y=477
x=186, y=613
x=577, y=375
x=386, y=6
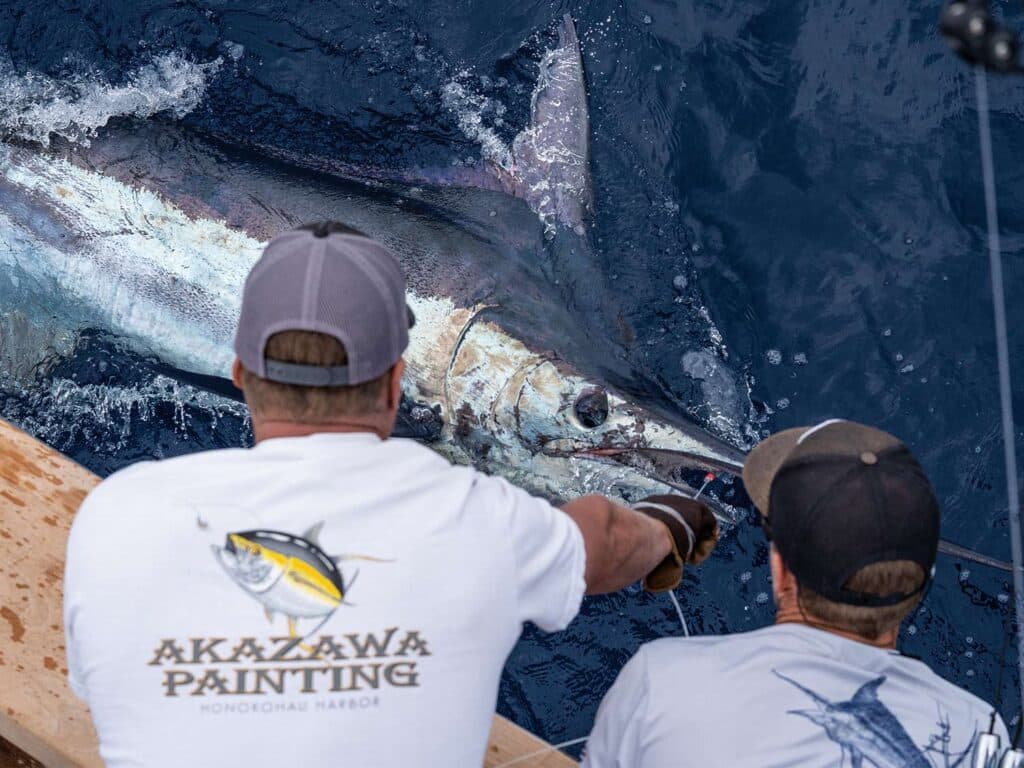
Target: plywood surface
x=514, y=746
x=39, y=493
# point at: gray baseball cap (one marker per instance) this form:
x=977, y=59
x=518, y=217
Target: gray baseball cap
x=334, y=280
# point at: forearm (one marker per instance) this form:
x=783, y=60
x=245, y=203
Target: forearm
x=622, y=545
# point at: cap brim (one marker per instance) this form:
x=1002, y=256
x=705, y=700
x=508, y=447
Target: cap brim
x=764, y=461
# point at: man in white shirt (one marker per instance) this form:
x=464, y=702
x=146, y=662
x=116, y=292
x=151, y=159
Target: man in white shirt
x=329, y=596
x=854, y=526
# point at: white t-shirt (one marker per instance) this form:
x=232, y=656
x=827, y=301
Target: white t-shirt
x=325, y=600
x=786, y=695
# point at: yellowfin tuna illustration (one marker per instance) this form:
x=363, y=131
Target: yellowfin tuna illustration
x=287, y=574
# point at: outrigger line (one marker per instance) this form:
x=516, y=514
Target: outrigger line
x=955, y=550
x=708, y=479
x=983, y=42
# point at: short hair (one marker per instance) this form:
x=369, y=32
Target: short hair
x=325, y=228
x=310, y=405
x=871, y=622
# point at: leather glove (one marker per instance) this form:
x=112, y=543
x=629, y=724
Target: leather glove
x=694, y=532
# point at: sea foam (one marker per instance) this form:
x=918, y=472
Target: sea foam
x=36, y=107
x=62, y=412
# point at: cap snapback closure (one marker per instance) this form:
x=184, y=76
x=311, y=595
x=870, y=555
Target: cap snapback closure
x=307, y=375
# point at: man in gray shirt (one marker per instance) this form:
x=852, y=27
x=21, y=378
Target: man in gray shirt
x=854, y=526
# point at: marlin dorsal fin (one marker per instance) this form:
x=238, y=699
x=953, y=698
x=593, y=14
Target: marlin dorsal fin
x=551, y=158
x=868, y=693
x=548, y=164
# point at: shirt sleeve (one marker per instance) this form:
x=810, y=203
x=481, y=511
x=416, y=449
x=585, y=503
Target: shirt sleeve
x=547, y=551
x=79, y=566
x=616, y=740
x=76, y=679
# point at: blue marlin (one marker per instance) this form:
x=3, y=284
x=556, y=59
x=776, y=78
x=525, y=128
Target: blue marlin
x=148, y=234
x=865, y=729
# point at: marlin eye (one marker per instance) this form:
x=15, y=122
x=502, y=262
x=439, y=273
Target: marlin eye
x=591, y=408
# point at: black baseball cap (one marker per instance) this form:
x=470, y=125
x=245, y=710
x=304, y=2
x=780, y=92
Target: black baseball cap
x=838, y=497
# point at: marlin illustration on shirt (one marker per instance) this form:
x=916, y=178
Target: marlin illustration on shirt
x=867, y=731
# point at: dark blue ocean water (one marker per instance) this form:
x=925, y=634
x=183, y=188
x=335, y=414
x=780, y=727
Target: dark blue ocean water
x=809, y=166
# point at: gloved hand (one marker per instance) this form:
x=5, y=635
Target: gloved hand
x=694, y=532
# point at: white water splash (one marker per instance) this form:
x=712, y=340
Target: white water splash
x=35, y=107
x=61, y=411
x=723, y=394
x=548, y=160
x=474, y=111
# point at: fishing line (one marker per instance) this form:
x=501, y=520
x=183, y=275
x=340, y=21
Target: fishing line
x=708, y=479
x=679, y=612
x=539, y=752
x=686, y=632
x=1003, y=356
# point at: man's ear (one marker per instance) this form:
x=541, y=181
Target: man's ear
x=236, y=373
x=395, y=385
x=783, y=579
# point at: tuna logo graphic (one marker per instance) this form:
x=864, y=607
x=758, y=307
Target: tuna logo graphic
x=869, y=734
x=288, y=574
